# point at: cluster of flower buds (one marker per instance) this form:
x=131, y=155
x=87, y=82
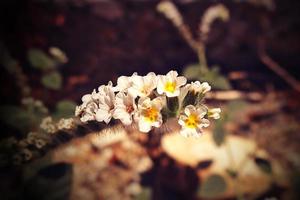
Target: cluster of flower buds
x=149, y=101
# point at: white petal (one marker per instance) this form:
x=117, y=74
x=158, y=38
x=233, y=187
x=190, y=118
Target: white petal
x=133, y=91
x=205, y=87
x=126, y=119
x=137, y=80
x=144, y=126
x=160, y=85
x=189, y=109
x=172, y=74
x=173, y=94
x=119, y=112
x=181, y=120
x=150, y=79
x=157, y=123
x=181, y=80
x=158, y=102
x=204, y=123
x=102, y=115
x=86, y=97
x=201, y=111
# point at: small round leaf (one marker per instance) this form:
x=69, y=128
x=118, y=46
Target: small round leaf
x=52, y=80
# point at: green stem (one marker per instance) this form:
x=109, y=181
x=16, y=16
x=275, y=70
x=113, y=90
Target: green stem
x=202, y=56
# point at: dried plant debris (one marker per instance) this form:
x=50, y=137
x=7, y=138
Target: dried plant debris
x=106, y=165
x=237, y=155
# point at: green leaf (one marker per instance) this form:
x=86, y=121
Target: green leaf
x=15, y=116
x=39, y=60
x=263, y=164
x=145, y=194
x=212, y=187
x=212, y=76
x=65, y=109
x=219, y=133
x=192, y=72
x=52, y=80
x=215, y=79
x=50, y=182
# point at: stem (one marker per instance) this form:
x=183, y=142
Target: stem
x=202, y=56
x=275, y=67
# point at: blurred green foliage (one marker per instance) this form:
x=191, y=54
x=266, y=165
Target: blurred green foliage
x=23, y=118
x=212, y=76
x=64, y=109
x=48, y=65
x=212, y=187
x=39, y=60
x=145, y=194
x=52, y=80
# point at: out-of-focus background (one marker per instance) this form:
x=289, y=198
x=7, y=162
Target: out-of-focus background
x=53, y=52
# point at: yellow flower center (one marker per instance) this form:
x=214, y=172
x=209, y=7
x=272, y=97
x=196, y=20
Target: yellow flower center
x=170, y=86
x=151, y=114
x=191, y=121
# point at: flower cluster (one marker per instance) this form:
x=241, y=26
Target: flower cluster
x=149, y=101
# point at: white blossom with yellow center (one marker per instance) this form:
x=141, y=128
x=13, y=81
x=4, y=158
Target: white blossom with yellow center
x=198, y=87
x=170, y=84
x=125, y=108
x=142, y=86
x=148, y=114
x=192, y=121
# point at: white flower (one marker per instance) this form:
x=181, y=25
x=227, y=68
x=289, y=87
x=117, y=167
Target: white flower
x=142, y=86
x=106, y=103
x=198, y=87
x=192, y=121
x=98, y=105
x=87, y=110
x=65, y=123
x=170, y=84
x=123, y=83
x=48, y=125
x=124, y=108
x=214, y=113
x=148, y=114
